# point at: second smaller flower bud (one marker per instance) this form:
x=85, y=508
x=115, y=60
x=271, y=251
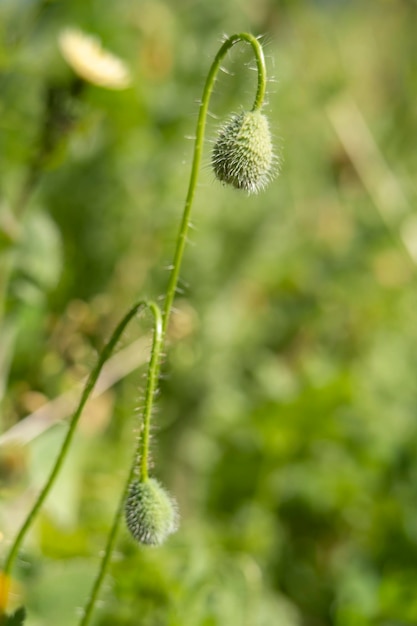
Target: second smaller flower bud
x=150, y=512
x=243, y=155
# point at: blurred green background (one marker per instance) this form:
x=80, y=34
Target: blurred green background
x=286, y=423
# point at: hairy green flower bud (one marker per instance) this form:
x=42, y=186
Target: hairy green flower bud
x=243, y=154
x=150, y=512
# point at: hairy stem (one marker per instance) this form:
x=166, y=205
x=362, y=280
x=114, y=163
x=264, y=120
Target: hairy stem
x=89, y=386
x=142, y=453
x=151, y=385
x=161, y=322
x=141, y=459
x=198, y=149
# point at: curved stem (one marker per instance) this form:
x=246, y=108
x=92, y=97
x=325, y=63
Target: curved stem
x=198, y=149
x=105, y=354
x=142, y=453
x=161, y=322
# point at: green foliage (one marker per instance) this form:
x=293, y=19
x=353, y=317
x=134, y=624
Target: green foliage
x=17, y=619
x=286, y=418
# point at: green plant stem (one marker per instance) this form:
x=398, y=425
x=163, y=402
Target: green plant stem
x=111, y=539
x=151, y=386
x=89, y=386
x=198, y=149
x=161, y=323
x=142, y=453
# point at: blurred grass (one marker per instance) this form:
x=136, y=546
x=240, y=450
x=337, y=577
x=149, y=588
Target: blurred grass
x=286, y=423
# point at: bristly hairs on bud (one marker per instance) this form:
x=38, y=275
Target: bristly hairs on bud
x=88, y=388
x=243, y=157
x=151, y=513
x=243, y=154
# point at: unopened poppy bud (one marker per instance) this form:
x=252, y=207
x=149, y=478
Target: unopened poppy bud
x=150, y=512
x=243, y=154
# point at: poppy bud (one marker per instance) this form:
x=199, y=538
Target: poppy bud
x=243, y=154
x=150, y=512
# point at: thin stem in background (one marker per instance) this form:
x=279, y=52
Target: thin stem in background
x=160, y=328
x=161, y=323
x=142, y=453
x=105, y=354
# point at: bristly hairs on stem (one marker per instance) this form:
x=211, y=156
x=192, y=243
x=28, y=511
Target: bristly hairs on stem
x=151, y=514
x=138, y=477
x=228, y=43
x=89, y=386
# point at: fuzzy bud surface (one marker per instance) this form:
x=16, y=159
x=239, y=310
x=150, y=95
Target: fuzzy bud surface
x=150, y=512
x=243, y=154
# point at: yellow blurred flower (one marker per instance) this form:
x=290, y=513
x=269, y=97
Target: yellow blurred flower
x=4, y=592
x=89, y=60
